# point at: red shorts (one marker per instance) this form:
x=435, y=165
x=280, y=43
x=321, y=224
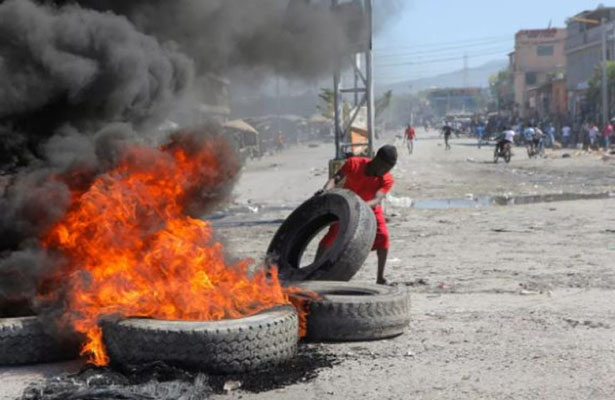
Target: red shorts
x=382, y=233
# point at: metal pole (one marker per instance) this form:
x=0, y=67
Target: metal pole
x=337, y=101
x=369, y=59
x=357, y=60
x=605, y=96
x=337, y=104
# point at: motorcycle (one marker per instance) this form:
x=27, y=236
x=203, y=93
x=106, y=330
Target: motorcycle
x=504, y=152
x=535, y=149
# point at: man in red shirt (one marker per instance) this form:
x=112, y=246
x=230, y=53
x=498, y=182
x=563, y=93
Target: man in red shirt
x=607, y=133
x=371, y=180
x=409, y=138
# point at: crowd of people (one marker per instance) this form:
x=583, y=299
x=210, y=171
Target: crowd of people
x=587, y=135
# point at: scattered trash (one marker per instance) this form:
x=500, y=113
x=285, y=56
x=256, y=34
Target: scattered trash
x=416, y=282
x=566, y=155
x=590, y=324
x=230, y=386
x=402, y=202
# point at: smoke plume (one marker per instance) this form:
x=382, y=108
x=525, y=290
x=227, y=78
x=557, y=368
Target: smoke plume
x=82, y=80
x=296, y=38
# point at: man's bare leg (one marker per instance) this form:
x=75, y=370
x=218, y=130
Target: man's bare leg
x=382, y=261
x=319, y=252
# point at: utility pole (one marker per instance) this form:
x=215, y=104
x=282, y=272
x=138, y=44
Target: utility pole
x=363, y=90
x=369, y=61
x=605, y=94
x=337, y=100
x=465, y=70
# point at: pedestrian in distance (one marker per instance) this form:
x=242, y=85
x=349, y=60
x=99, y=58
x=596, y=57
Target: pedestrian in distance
x=447, y=130
x=566, y=135
x=607, y=134
x=480, y=133
x=593, y=136
x=409, y=137
x=551, y=135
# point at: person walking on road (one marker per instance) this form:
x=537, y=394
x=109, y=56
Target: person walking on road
x=551, y=135
x=566, y=135
x=607, y=133
x=480, y=132
x=409, y=137
x=371, y=180
x=593, y=135
x=447, y=130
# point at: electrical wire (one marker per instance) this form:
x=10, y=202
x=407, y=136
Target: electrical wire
x=447, y=44
x=442, y=50
x=438, y=60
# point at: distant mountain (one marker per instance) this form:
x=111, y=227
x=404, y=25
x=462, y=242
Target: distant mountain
x=477, y=76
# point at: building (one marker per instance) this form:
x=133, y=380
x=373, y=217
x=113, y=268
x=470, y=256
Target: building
x=455, y=100
x=584, y=53
x=538, y=54
x=549, y=101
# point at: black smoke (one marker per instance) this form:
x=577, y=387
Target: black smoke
x=80, y=68
x=296, y=38
x=79, y=80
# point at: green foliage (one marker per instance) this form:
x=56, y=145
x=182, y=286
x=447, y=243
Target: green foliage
x=501, y=87
x=383, y=103
x=594, y=93
x=328, y=98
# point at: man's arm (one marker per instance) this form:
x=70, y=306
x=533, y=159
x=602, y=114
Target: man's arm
x=332, y=183
x=377, y=199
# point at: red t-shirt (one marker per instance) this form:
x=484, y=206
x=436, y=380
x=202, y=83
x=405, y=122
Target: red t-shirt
x=410, y=133
x=364, y=186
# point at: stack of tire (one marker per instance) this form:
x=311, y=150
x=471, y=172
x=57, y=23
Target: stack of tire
x=343, y=312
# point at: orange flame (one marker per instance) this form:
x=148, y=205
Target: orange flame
x=132, y=251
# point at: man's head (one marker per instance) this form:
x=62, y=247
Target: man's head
x=385, y=160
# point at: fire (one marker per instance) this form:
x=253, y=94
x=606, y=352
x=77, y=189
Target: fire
x=133, y=251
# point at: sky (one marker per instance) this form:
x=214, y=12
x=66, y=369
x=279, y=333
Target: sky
x=430, y=37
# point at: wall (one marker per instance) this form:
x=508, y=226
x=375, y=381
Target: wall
x=530, y=57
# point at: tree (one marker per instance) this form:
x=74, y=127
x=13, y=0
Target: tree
x=594, y=92
x=328, y=97
x=501, y=87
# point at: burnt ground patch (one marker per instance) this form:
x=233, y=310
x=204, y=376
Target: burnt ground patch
x=162, y=381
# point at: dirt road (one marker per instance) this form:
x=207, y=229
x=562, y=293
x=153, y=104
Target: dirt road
x=508, y=302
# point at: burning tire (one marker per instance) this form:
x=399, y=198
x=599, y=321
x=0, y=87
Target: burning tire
x=355, y=312
x=229, y=346
x=347, y=254
x=24, y=341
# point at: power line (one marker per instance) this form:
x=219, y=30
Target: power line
x=458, y=42
x=443, y=49
x=500, y=51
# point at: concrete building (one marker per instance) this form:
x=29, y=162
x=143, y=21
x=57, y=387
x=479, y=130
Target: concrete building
x=584, y=53
x=455, y=100
x=549, y=100
x=539, y=53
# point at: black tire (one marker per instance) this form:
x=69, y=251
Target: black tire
x=347, y=254
x=507, y=155
x=223, y=347
x=355, y=312
x=24, y=341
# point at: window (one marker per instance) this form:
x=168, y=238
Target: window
x=544, y=50
x=530, y=78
